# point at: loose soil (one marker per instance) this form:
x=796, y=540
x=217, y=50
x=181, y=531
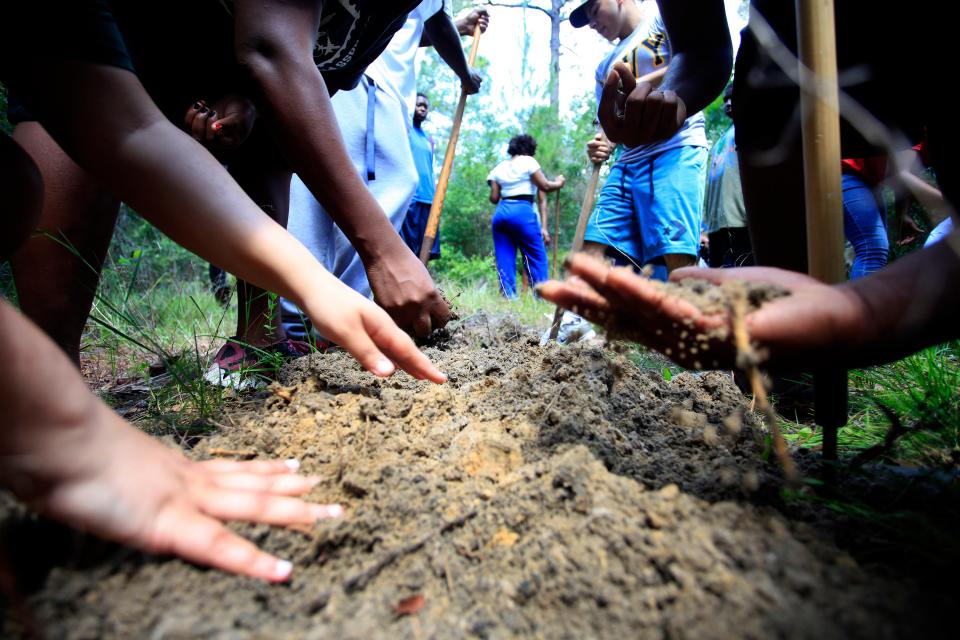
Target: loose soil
x=555, y=492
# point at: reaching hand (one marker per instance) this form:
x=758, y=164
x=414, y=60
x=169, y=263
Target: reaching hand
x=598, y=149
x=403, y=287
x=108, y=478
x=223, y=125
x=635, y=114
x=793, y=330
x=368, y=333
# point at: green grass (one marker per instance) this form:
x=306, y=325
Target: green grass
x=919, y=396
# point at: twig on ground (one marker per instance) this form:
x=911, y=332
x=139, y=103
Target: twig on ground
x=747, y=361
x=360, y=580
x=246, y=454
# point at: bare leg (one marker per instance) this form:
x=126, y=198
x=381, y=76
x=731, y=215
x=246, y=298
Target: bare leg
x=22, y=187
x=266, y=179
x=679, y=260
x=56, y=283
x=595, y=250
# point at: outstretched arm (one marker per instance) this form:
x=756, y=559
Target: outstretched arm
x=103, y=118
x=274, y=43
x=904, y=307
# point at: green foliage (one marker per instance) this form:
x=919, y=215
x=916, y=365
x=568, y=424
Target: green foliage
x=716, y=120
x=920, y=394
x=487, y=127
x=457, y=270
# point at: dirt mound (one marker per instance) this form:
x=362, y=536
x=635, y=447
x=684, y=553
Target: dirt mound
x=545, y=492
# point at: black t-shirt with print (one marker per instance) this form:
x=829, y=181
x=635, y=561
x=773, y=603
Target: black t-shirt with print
x=183, y=50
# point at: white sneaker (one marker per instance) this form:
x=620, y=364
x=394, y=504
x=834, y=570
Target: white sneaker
x=573, y=328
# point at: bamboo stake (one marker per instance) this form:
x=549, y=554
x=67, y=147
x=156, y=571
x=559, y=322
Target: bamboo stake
x=816, y=35
x=436, y=207
x=556, y=235
x=585, y=210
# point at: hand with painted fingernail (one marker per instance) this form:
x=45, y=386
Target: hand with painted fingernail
x=110, y=479
x=223, y=124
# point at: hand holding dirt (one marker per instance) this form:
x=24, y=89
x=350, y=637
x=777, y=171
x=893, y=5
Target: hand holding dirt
x=688, y=319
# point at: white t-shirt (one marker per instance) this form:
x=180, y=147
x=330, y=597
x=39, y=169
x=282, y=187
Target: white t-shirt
x=513, y=176
x=394, y=70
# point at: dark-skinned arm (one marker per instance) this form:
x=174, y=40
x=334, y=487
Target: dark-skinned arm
x=274, y=42
x=635, y=111
x=465, y=25
x=446, y=40
x=701, y=51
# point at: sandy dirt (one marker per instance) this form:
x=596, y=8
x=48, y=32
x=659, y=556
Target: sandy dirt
x=543, y=492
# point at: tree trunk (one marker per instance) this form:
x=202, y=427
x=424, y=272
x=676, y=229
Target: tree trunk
x=555, y=55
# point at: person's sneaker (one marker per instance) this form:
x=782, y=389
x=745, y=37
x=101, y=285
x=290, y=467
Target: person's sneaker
x=573, y=328
x=244, y=367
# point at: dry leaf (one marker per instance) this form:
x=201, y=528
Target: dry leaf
x=409, y=606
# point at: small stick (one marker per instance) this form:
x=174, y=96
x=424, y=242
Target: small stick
x=556, y=235
x=747, y=362
x=360, y=580
x=246, y=454
x=366, y=433
x=585, y=210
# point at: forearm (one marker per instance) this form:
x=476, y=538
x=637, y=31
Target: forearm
x=294, y=96
x=702, y=54
x=908, y=305
x=443, y=35
x=113, y=131
x=46, y=405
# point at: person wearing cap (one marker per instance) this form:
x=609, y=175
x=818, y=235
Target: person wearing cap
x=649, y=211
x=908, y=305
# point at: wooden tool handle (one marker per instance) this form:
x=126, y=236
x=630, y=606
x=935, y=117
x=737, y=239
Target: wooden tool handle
x=585, y=212
x=436, y=207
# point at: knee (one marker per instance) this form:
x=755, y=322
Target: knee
x=22, y=189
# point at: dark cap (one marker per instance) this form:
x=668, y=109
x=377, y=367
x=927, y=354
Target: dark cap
x=579, y=17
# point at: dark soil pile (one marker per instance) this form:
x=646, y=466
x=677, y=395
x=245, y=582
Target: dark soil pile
x=543, y=492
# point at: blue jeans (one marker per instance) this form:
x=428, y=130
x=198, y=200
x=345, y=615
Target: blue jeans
x=515, y=227
x=864, y=226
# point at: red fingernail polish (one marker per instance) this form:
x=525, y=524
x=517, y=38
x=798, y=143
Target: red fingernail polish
x=216, y=126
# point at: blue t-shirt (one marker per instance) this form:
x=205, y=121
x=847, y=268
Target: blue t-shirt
x=644, y=51
x=422, y=147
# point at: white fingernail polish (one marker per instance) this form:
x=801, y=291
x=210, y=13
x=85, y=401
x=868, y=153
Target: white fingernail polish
x=384, y=367
x=293, y=464
x=283, y=569
x=335, y=511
